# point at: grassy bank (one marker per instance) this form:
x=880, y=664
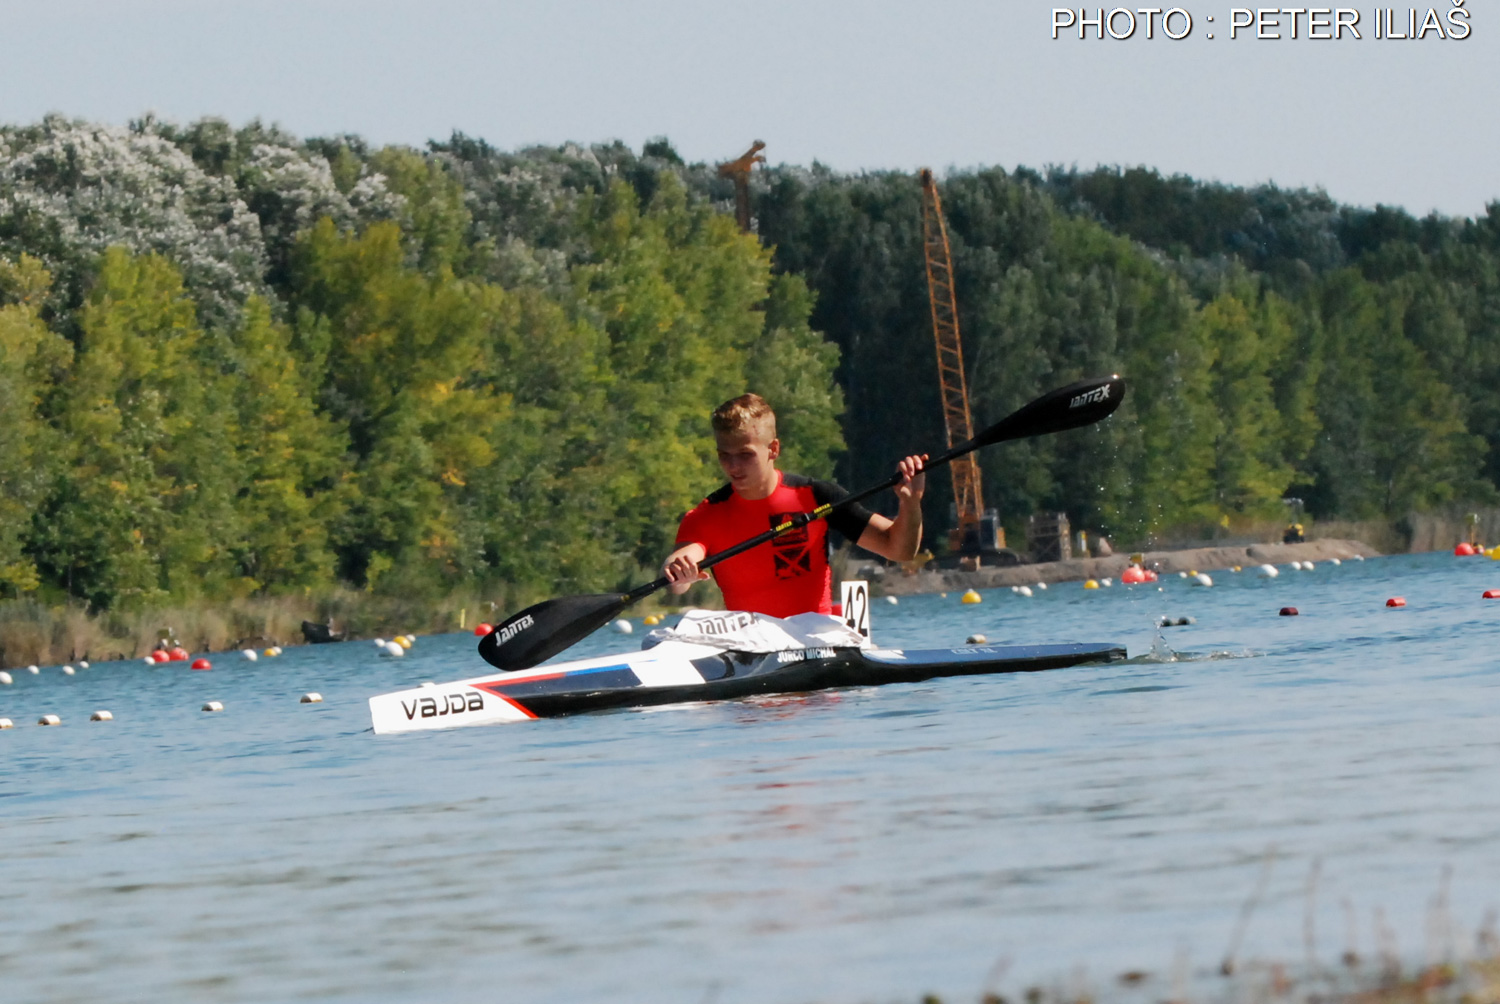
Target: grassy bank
x=35, y=633
x=31, y=632
x=1355, y=980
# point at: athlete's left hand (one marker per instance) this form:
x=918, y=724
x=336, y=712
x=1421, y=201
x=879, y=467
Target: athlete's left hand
x=913, y=480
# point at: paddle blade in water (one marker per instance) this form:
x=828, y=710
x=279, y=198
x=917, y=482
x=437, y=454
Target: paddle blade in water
x=539, y=632
x=1077, y=404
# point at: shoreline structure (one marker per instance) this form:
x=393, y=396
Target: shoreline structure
x=1197, y=559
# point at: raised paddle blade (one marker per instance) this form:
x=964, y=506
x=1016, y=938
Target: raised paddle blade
x=539, y=632
x=1078, y=404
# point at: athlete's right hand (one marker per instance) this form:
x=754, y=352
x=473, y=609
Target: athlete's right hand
x=682, y=568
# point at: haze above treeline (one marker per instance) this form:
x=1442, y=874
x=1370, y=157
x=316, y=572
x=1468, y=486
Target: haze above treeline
x=236, y=362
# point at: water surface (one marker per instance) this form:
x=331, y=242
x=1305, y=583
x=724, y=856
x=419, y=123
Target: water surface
x=853, y=846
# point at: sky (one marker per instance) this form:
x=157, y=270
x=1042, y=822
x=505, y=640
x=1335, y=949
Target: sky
x=869, y=85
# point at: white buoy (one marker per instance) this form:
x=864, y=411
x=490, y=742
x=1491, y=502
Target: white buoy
x=1024, y=590
x=5, y=679
x=275, y=649
x=249, y=654
x=6, y=723
x=214, y=706
x=1268, y=571
x=892, y=600
x=1041, y=585
x=1359, y=557
x=312, y=698
x=33, y=670
x=83, y=665
x=1106, y=583
x=621, y=626
x=101, y=716
x=149, y=661
x=1308, y=566
x=976, y=639
x=68, y=671
x=393, y=649
x=1202, y=580
x=49, y=720
x=1296, y=566
x=1015, y=589
x=1334, y=561
x=380, y=643
x=1182, y=575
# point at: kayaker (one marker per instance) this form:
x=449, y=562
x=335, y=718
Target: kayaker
x=790, y=574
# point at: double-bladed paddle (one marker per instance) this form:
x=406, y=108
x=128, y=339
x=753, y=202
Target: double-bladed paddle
x=539, y=632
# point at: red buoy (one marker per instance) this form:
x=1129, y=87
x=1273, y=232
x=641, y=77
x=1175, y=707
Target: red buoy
x=1396, y=601
x=1132, y=575
x=480, y=630
x=160, y=655
x=1464, y=549
x=202, y=664
x=1492, y=594
x=178, y=655
x=1289, y=611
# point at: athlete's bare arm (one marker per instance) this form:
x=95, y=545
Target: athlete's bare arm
x=898, y=539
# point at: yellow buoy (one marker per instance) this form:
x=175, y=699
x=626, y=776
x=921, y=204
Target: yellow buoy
x=403, y=641
x=970, y=597
x=652, y=620
x=1091, y=584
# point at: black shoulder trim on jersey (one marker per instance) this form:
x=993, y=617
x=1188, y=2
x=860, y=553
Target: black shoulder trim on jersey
x=721, y=495
x=796, y=480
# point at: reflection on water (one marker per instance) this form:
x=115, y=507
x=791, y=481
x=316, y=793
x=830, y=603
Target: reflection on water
x=860, y=845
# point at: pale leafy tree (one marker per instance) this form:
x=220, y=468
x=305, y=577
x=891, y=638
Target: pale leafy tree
x=69, y=190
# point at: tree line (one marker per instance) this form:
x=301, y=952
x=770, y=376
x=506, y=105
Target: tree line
x=233, y=361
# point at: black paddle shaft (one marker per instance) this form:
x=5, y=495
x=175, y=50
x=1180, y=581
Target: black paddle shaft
x=539, y=632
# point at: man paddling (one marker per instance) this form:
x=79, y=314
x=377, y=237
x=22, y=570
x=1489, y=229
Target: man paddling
x=790, y=575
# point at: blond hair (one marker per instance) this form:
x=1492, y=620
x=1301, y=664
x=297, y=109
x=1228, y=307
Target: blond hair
x=745, y=412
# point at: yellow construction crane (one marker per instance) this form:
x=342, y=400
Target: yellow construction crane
x=738, y=170
x=977, y=530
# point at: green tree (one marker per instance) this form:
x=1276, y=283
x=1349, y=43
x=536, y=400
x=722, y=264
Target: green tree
x=145, y=509
x=32, y=359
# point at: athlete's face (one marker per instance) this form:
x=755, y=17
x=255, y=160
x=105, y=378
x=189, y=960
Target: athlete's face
x=748, y=457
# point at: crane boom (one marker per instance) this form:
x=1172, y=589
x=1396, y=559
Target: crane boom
x=738, y=171
x=967, y=497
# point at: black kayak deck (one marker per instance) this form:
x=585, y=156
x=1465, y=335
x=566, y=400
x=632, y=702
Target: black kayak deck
x=732, y=675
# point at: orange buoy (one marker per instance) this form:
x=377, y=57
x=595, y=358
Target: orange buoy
x=1492, y=594
x=202, y=664
x=1463, y=550
x=480, y=630
x=1289, y=611
x=1396, y=601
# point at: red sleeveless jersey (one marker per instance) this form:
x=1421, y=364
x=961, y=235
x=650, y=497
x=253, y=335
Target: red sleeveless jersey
x=785, y=576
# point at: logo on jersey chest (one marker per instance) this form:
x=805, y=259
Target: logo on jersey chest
x=791, y=553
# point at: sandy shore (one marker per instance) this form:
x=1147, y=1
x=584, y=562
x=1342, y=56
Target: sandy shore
x=1198, y=559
